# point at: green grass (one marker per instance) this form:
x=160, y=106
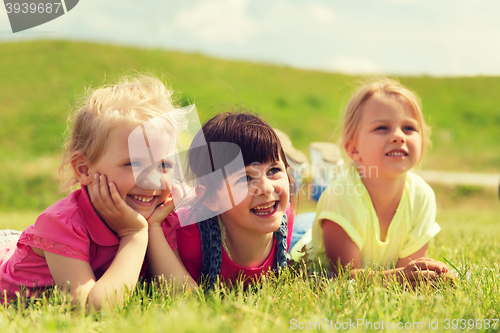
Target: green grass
x=38, y=85
x=40, y=81
x=469, y=239
x=277, y=305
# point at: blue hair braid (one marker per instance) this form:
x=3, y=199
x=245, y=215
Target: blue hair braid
x=211, y=246
x=280, y=259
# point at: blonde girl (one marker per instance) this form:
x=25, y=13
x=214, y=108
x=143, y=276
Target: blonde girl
x=378, y=212
x=70, y=244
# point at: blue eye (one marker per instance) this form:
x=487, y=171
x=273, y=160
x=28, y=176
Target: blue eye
x=244, y=179
x=134, y=164
x=409, y=129
x=382, y=128
x=274, y=170
x=166, y=166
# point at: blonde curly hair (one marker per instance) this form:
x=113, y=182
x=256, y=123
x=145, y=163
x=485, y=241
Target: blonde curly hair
x=132, y=100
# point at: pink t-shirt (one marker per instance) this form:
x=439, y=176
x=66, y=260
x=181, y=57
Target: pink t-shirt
x=70, y=228
x=189, y=246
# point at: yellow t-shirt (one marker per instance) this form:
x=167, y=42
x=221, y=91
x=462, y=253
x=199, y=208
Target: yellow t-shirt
x=346, y=201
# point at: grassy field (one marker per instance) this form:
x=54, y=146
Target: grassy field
x=469, y=240
x=40, y=81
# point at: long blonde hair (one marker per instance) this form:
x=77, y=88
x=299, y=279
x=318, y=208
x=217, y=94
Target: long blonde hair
x=381, y=87
x=131, y=101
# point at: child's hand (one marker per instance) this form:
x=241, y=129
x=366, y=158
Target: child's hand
x=424, y=269
x=119, y=216
x=162, y=211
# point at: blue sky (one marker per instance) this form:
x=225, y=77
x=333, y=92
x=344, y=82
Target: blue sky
x=399, y=37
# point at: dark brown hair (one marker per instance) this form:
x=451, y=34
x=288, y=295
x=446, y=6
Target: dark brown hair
x=258, y=143
x=253, y=136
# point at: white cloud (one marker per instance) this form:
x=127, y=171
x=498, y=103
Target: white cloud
x=304, y=16
x=217, y=21
x=354, y=65
x=322, y=13
x=447, y=37
x=404, y=1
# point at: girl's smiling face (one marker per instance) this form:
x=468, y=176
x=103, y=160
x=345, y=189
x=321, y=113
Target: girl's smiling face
x=388, y=138
x=260, y=193
x=153, y=179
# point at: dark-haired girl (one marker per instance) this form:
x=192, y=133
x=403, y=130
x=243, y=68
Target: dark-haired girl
x=243, y=216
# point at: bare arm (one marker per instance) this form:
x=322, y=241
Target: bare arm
x=342, y=251
x=162, y=261
x=77, y=276
x=422, y=253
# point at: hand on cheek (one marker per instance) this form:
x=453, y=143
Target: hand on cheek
x=162, y=211
x=112, y=209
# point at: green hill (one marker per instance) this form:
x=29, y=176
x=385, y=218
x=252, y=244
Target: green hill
x=39, y=82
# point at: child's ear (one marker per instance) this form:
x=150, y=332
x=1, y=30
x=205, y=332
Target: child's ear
x=351, y=150
x=199, y=190
x=80, y=165
x=211, y=203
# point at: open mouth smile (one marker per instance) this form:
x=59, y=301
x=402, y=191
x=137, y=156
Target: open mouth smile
x=265, y=209
x=142, y=199
x=397, y=153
